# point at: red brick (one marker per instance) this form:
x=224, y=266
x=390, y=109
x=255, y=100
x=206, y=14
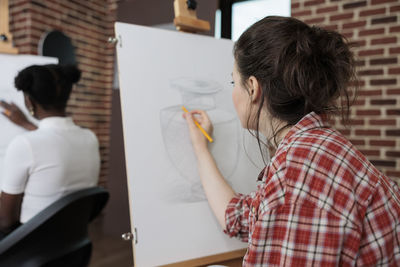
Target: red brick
x=315, y=20
x=383, y=122
x=301, y=13
x=394, y=50
x=357, y=83
x=383, y=163
x=371, y=52
x=370, y=112
x=354, y=122
x=383, y=61
x=383, y=101
x=341, y=17
x=384, y=20
x=395, y=154
x=387, y=40
x=295, y=5
x=331, y=27
x=327, y=9
x=352, y=25
x=357, y=142
x=371, y=12
x=368, y=152
x=393, y=92
x=393, y=174
x=344, y=131
x=383, y=82
x=394, y=8
x=386, y=143
x=394, y=29
x=359, y=102
x=13, y=4
x=369, y=92
x=370, y=72
x=377, y=2
x=314, y=2
x=393, y=112
x=354, y=4
x=359, y=43
x=394, y=71
x=371, y=32
x=393, y=132
x=368, y=132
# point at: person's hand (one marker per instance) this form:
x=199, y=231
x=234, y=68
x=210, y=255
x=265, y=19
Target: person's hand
x=198, y=139
x=15, y=115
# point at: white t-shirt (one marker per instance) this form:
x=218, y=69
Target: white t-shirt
x=45, y=164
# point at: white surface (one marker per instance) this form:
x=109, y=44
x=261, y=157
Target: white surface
x=173, y=222
x=10, y=65
x=244, y=14
x=50, y=162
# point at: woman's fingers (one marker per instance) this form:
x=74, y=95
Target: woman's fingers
x=194, y=119
x=190, y=121
x=202, y=118
x=8, y=108
x=5, y=105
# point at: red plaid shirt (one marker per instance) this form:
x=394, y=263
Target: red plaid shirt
x=320, y=203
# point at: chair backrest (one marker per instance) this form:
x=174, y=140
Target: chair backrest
x=60, y=231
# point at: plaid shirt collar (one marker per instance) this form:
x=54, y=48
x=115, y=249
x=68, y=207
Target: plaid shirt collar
x=310, y=121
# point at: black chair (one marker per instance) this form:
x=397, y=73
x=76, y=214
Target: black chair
x=58, y=235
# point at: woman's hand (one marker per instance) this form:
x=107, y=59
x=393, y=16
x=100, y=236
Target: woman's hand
x=217, y=190
x=199, y=141
x=15, y=115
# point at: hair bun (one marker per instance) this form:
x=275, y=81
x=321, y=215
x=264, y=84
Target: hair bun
x=72, y=73
x=24, y=80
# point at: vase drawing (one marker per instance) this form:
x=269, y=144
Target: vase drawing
x=199, y=94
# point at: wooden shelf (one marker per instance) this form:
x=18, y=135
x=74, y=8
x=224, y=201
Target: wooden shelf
x=6, y=46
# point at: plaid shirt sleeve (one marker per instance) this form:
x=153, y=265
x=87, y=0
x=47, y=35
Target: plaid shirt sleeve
x=236, y=216
x=380, y=242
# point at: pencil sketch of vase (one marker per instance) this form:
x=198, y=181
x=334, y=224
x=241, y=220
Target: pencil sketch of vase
x=198, y=94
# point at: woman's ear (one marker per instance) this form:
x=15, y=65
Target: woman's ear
x=30, y=105
x=28, y=102
x=254, y=89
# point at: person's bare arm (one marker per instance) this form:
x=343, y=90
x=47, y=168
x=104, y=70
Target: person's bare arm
x=10, y=209
x=217, y=190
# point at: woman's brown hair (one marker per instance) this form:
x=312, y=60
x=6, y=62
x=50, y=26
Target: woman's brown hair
x=300, y=68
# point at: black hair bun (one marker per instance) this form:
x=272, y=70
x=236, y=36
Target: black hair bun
x=24, y=80
x=71, y=73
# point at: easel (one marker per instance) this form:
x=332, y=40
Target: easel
x=186, y=21
x=5, y=35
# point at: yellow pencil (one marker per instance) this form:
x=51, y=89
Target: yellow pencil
x=199, y=126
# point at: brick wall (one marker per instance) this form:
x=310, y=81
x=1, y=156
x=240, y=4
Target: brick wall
x=88, y=23
x=375, y=26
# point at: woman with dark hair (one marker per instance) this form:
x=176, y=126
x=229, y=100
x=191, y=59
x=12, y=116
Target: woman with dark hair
x=319, y=201
x=52, y=159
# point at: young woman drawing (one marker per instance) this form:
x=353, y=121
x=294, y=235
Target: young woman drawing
x=320, y=202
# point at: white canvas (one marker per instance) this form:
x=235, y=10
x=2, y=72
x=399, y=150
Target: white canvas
x=159, y=71
x=9, y=68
